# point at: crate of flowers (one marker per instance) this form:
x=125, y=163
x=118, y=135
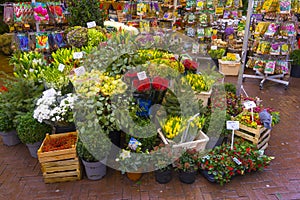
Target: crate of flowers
x=257, y=130
x=58, y=158
x=230, y=64
x=183, y=134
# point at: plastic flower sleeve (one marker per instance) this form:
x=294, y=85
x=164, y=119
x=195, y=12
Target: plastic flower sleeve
x=42, y=41
x=40, y=12
x=22, y=42
x=8, y=15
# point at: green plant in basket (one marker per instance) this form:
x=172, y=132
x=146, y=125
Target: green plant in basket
x=30, y=130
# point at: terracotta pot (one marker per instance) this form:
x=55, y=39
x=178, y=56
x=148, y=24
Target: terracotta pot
x=134, y=176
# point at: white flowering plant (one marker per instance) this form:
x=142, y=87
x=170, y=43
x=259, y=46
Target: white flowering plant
x=54, y=108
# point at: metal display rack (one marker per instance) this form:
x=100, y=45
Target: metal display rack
x=278, y=78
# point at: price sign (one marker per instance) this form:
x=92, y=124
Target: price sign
x=214, y=47
x=79, y=71
x=232, y=125
x=61, y=67
x=195, y=48
x=91, y=24
x=237, y=161
x=77, y=55
x=249, y=104
x=49, y=93
x=142, y=75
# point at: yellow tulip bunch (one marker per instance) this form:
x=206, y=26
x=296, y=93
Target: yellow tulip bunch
x=173, y=126
x=112, y=85
x=149, y=54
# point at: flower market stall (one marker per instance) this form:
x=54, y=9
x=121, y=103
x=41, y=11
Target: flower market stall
x=133, y=100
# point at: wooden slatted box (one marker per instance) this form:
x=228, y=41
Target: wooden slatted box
x=59, y=165
x=259, y=136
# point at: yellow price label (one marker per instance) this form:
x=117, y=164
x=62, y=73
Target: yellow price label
x=219, y=10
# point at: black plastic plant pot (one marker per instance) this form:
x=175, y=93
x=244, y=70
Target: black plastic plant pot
x=163, y=176
x=295, y=71
x=209, y=177
x=188, y=177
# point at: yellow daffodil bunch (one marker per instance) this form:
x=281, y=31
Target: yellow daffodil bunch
x=150, y=54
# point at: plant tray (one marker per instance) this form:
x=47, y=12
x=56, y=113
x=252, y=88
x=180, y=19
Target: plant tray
x=229, y=68
x=199, y=142
x=259, y=136
x=204, y=96
x=59, y=165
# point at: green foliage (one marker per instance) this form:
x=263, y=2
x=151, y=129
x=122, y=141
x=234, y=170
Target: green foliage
x=84, y=11
x=20, y=97
x=216, y=54
x=188, y=161
x=30, y=130
x=95, y=37
x=6, y=123
x=229, y=87
x=295, y=57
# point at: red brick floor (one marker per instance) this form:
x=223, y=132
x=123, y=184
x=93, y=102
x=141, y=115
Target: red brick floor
x=21, y=178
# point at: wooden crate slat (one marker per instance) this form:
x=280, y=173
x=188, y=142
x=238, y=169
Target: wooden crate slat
x=60, y=163
x=57, y=153
x=60, y=169
x=264, y=147
x=62, y=174
x=64, y=179
x=247, y=137
x=59, y=157
x=256, y=131
x=264, y=140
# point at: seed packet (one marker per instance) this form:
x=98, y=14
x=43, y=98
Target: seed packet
x=261, y=28
x=226, y=14
x=283, y=66
x=208, y=32
x=191, y=18
x=275, y=48
x=272, y=29
x=200, y=4
x=285, y=6
x=270, y=6
x=23, y=42
x=203, y=19
x=190, y=31
x=259, y=65
x=8, y=14
x=284, y=49
x=190, y=4
x=251, y=62
x=134, y=144
x=144, y=26
x=229, y=3
x=40, y=12
x=263, y=47
x=200, y=32
x=270, y=67
x=42, y=41
x=56, y=11
x=210, y=4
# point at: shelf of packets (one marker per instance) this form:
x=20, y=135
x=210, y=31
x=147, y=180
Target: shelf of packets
x=268, y=66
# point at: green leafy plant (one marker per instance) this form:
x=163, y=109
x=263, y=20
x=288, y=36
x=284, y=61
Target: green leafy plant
x=295, y=57
x=6, y=123
x=30, y=130
x=162, y=157
x=188, y=161
x=216, y=54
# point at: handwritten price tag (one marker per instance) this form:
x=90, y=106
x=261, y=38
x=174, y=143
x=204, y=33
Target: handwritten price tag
x=77, y=55
x=249, y=104
x=142, y=75
x=61, y=67
x=79, y=71
x=214, y=47
x=232, y=125
x=91, y=24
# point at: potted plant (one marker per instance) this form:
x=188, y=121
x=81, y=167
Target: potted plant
x=56, y=109
x=31, y=132
x=7, y=130
x=216, y=54
x=187, y=166
x=162, y=158
x=295, y=57
x=17, y=97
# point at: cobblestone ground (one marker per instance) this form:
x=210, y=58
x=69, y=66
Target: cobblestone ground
x=21, y=177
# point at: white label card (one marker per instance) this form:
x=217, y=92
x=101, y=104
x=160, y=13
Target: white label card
x=237, y=161
x=232, y=125
x=91, y=24
x=249, y=104
x=61, y=67
x=79, y=71
x=214, y=47
x=77, y=55
x=49, y=93
x=142, y=75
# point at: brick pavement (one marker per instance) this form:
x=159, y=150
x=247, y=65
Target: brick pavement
x=21, y=178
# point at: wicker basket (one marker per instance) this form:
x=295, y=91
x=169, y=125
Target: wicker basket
x=229, y=68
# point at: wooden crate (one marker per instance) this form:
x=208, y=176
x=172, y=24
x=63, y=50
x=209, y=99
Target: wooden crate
x=60, y=165
x=199, y=143
x=204, y=96
x=229, y=68
x=259, y=136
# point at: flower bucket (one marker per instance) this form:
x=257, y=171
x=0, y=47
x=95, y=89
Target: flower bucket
x=33, y=148
x=10, y=138
x=95, y=170
x=187, y=177
x=134, y=176
x=163, y=176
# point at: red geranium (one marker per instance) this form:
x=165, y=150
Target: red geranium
x=3, y=89
x=142, y=85
x=190, y=65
